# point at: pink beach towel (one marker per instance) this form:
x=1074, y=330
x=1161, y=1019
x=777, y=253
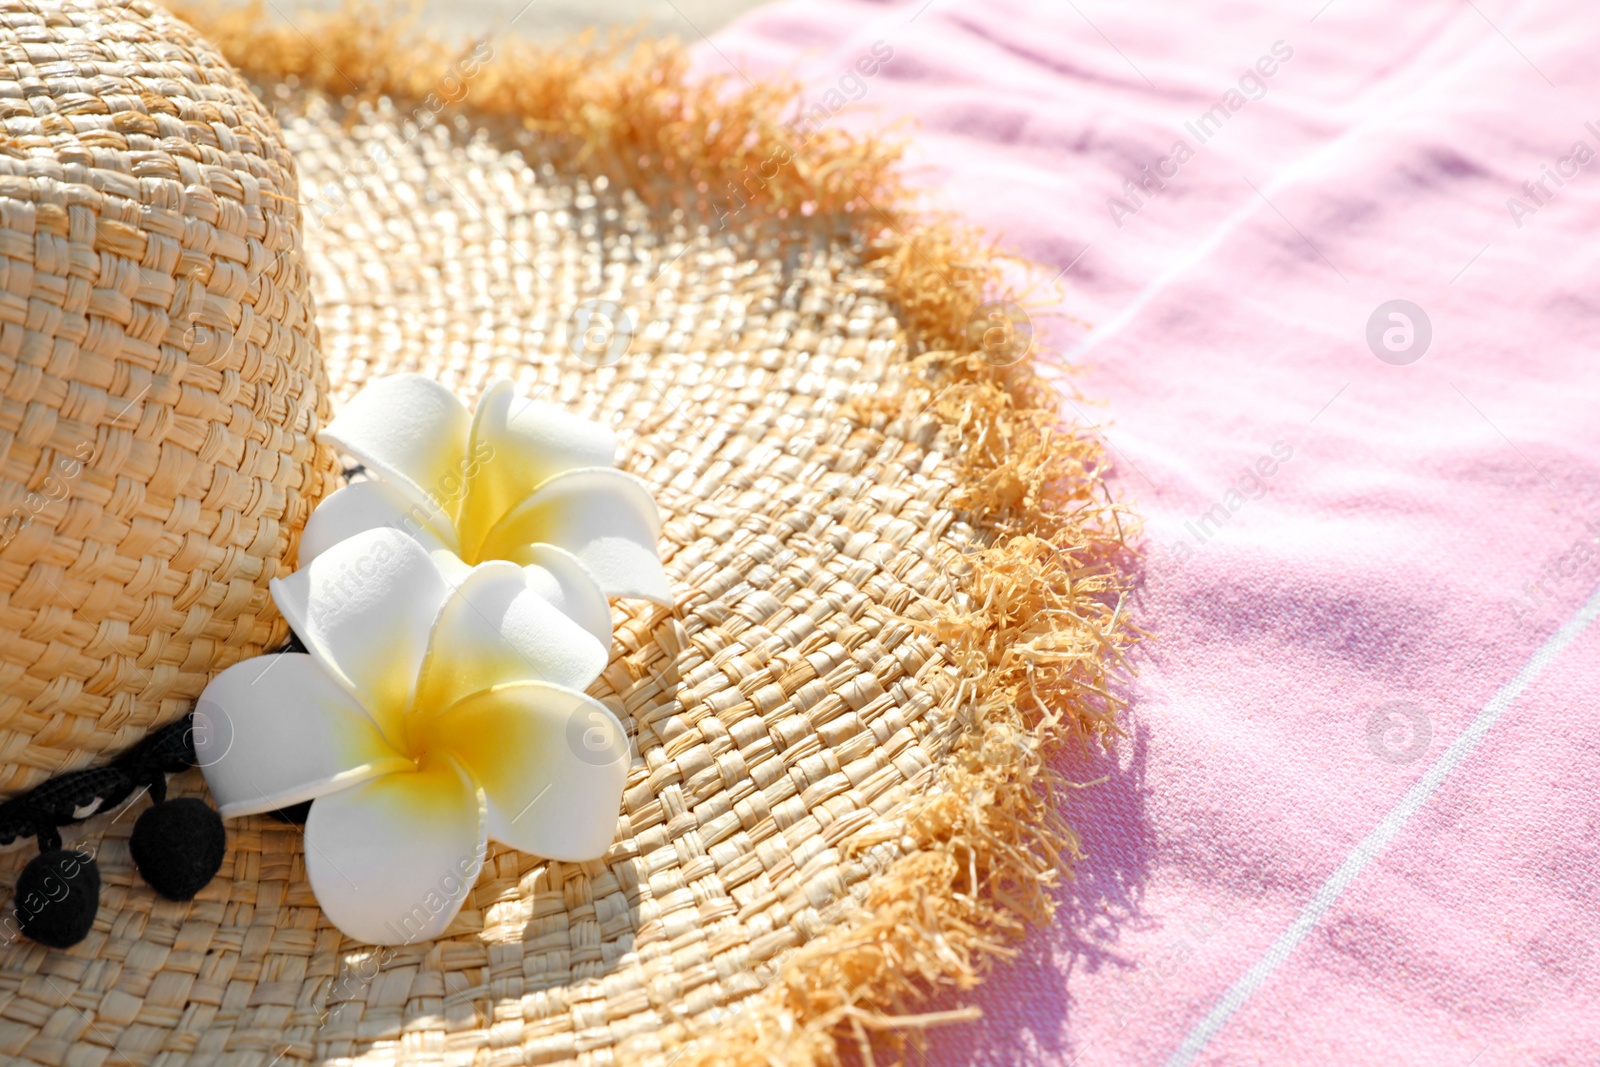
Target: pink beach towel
x=1340, y=264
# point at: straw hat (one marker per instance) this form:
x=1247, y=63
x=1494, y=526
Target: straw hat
x=894, y=577
x=162, y=385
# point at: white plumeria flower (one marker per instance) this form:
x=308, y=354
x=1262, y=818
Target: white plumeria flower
x=425, y=720
x=516, y=480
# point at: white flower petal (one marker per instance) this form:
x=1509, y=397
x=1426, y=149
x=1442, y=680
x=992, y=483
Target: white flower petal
x=552, y=763
x=373, y=505
x=452, y=568
x=410, y=430
x=365, y=609
x=521, y=443
x=392, y=860
x=604, y=517
x=277, y=730
x=494, y=630
x=558, y=576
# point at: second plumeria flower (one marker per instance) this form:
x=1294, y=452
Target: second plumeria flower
x=514, y=480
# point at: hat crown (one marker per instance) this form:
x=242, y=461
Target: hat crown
x=160, y=374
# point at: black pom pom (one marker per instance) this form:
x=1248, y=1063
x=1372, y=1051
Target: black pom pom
x=294, y=813
x=57, y=895
x=178, y=846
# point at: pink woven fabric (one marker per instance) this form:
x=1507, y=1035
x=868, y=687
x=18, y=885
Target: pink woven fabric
x=1350, y=556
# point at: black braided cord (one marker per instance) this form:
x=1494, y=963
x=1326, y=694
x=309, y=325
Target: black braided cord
x=78, y=795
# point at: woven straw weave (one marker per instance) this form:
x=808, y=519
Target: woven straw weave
x=838, y=796
x=782, y=714
x=160, y=373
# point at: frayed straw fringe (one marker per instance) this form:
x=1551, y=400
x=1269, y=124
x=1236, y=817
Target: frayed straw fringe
x=1042, y=627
